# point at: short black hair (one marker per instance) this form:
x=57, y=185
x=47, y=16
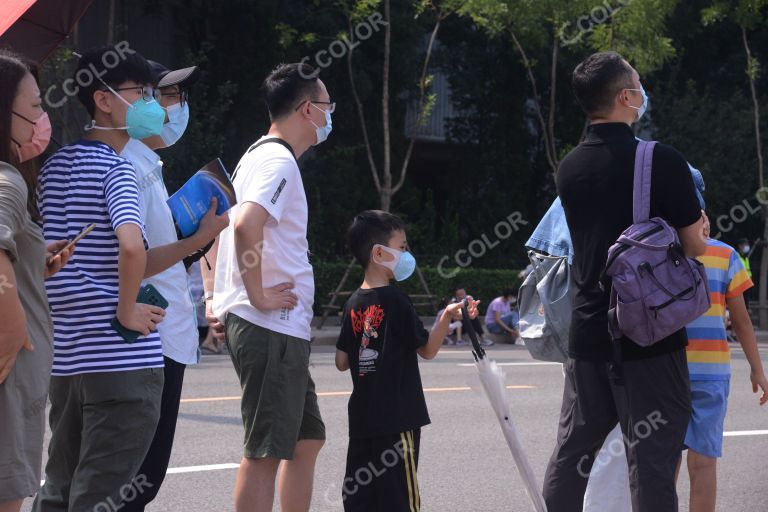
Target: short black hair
x=598, y=79
x=369, y=228
x=115, y=65
x=507, y=292
x=287, y=85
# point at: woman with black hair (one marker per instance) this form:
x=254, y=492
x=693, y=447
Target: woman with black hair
x=26, y=332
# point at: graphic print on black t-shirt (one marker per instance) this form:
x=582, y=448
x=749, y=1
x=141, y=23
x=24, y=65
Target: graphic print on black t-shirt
x=381, y=333
x=366, y=322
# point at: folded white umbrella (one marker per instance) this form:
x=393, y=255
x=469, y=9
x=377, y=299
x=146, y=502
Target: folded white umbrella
x=493, y=381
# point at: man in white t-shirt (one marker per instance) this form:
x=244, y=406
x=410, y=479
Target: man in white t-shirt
x=263, y=291
x=178, y=333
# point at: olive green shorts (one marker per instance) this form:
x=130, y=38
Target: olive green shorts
x=279, y=403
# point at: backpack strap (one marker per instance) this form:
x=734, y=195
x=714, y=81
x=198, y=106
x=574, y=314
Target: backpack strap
x=616, y=368
x=641, y=190
x=277, y=140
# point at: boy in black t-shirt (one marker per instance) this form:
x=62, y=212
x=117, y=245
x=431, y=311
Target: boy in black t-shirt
x=381, y=334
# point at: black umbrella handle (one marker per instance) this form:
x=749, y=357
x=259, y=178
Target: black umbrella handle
x=478, y=351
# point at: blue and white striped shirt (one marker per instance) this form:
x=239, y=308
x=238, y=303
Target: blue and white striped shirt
x=87, y=182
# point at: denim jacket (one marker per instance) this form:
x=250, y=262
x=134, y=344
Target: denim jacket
x=552, y=236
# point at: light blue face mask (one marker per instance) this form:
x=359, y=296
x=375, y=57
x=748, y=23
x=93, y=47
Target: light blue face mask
x=178, y=119
x=642, y=108
x=402, y=266
x=322, y=131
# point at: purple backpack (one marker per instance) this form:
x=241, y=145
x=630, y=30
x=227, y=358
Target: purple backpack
x=656, y=289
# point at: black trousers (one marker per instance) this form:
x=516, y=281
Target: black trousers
x=381, y=474
x=653, y=406
x=156, y=462
x=476, y=324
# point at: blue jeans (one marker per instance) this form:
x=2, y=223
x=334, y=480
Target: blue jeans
x=510, y=320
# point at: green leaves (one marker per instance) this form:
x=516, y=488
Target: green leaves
x=749, y=14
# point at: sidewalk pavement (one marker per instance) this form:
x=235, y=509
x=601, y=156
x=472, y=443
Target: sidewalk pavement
x=330, y=333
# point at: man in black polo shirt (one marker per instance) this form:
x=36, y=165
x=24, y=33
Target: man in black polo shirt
x=653, y=403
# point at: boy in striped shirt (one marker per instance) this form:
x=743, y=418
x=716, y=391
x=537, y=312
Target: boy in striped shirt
x=709, y=365
x=105, y=393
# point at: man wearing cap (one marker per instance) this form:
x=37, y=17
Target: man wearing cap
x=179, y=336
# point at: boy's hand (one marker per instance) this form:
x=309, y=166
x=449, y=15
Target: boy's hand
x=55, y=263
x=142, y=318
x=759, y=380
x=277, y=297
x=454, y=310
x=211, y=224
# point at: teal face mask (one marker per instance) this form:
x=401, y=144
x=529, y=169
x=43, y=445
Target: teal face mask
x=143, y=119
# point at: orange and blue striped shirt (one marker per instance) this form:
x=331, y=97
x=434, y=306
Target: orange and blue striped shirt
x=709, y=357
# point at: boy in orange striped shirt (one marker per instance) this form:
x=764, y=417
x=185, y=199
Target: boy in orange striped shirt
x=709, y=365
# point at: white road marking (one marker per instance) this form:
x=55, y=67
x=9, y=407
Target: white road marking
x=741, y=433
x=524, y=363
x=197, y=469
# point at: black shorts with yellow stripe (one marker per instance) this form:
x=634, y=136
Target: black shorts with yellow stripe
x=381, y=474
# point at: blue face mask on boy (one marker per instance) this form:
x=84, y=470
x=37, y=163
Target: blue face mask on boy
x=402, y=266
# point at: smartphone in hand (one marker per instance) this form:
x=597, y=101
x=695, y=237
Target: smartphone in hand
x=147, y=295
x=72, y=242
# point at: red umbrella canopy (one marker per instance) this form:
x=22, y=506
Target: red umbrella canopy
x=12, y=10
x=34, y=28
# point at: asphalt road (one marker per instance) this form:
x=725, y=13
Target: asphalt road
x=465, y=464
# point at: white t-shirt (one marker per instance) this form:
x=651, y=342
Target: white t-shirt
x=178, y=330
x=269, y=176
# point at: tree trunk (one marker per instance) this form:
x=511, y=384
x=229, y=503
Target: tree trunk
x=386, y=192
x=763, y=290
x=551, y=157
x=111, y=23
x=360, y=111
x=420, y=105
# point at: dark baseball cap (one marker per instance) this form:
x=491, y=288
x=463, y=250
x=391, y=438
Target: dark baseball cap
x=182, y=77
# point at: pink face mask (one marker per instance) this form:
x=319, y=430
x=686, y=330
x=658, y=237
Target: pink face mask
x=41, y=136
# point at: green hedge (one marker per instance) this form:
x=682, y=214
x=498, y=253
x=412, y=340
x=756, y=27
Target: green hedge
x=483, y=284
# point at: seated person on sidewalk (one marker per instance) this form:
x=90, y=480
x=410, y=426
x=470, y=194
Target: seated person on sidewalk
x=501, y=317
x=381, y=335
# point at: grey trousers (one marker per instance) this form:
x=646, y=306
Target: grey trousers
x=653, y=407
x=102, y=426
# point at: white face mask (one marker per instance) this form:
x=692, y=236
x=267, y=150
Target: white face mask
x=322, y=132
x=178, y=119
x=644, y=106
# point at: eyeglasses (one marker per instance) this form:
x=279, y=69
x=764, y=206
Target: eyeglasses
x=183, y=96
x=331, y=105
x=147, y=93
